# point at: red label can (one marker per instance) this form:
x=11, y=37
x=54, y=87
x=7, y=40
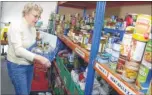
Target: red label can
x=120, y=65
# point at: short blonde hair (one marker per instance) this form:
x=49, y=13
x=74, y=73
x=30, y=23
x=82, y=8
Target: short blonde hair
x=31, y=6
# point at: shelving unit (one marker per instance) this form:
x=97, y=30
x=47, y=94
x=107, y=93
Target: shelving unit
x=112, y=78
x=108, y=30
x=80, y=51
x=115, y=80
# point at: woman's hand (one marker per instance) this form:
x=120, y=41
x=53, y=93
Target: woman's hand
x=42, y=60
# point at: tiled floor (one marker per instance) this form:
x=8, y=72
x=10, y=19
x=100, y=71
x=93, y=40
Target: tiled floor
x=6, y=85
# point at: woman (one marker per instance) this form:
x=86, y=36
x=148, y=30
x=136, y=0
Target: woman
x=20, y=61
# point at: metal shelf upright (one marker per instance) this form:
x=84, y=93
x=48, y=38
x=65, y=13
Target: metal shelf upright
x=100, y=11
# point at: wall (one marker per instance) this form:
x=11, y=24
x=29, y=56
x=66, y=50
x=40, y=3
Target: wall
x=0, y=12
x=108, y=11
x=139, y=9
x=12, y=11
x=121, y=11
x=66, y=10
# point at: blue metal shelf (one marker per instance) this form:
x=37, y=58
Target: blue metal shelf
x=100, y=11
x=113, y=30
x=99, y=21
x=108, y=30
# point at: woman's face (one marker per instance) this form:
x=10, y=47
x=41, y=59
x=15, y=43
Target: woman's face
x=32, y=17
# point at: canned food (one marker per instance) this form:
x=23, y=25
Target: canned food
x=120, y=65
x=112, y=65
x=126, y=44
x=115, y=54
x=142, y=28
x=137, y=50
x=102, y=44
x=80, y=40
x=116, y=47
x=143, y=79
x=130, y=71
x=71, y=58
x=85, y=39
x=147, y=58
x=57, y=17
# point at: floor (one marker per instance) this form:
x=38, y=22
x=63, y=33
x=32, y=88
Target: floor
x=6, y=85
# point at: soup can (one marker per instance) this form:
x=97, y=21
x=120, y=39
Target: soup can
x=143, y=79
x=126, y=44
x=142, y=27
x=120, y=65
x=136, y=51
x=130, y=71
x=147, y=58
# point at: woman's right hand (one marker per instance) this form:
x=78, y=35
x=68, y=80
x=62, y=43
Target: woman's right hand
x=42, y=60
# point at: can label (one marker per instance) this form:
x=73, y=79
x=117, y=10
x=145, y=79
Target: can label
x=126, y=44
x=147, y=59
x=80, y=39
x=71, y=58
x=130, y=71
x=143, y=79
x=120, y=65
x=137, y=50
x=142, y=27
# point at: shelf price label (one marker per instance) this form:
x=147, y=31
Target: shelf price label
x=101, y=69
x=120, y=85
x=80, y=52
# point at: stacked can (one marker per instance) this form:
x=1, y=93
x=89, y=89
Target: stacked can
x=132, y=50
x=124, y=50
x=145, y=71
x=142, y=33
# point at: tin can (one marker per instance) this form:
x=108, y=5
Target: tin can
x=147, y=58
x=142, y=27
x=130, y=71
x=102, y=59
x=143, y=79
x=120, y=65
x=136, y=51
x=102, y=44
x=112, y=63
x=126, y=44
x=57, y=17
x=116, y=47
x=86, y=39
x=71, y=58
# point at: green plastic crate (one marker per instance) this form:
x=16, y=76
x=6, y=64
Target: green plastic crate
x=58, y=91
x=66, y=76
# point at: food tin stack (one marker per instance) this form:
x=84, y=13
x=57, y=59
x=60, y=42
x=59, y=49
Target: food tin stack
x=138, y=44
x=135, y=59
x=124, y=49
x=145, y=71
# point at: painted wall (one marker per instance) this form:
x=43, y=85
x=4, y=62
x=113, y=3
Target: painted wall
x=139, y=9
x=0, y=12
x=12, y=11
x=121, y=11
x=66, y=10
